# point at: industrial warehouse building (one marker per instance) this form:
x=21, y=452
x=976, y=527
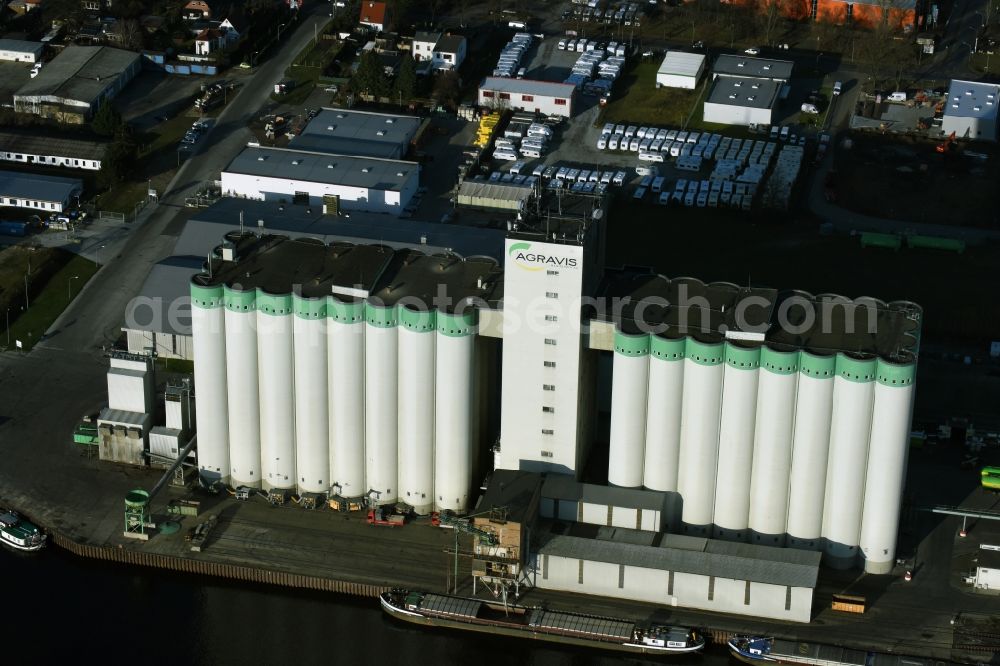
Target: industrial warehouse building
x=971, y=110
x=735, y=100
x=46, y=193
x=19, y=50
x=359, y=133
x=51, y=150
x=551, y=99
x=76, y=82
x=762, y=417
x=339, y=181
x=680, y=70
x=760, y=68
x=493, y=196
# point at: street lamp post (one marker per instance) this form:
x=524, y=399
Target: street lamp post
x=8, y=327
x=69, y=287
x=27, y=304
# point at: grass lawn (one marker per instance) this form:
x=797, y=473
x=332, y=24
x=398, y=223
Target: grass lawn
x=122, y=198
x=48, y=304
x=643, y=104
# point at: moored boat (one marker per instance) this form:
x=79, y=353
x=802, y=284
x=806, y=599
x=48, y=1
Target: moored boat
x=538, y=623
x=18, y=533
x=761, y=650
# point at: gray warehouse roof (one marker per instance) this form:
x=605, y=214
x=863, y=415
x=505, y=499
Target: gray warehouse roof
x=37, y=187
x=682, y=63
x=366, y=172
x=759, y=564
x=51, y=144
x=739, y=65
x=80, y=73
x=359, y=133
x=21, y=46
x=562, y=487
x=489, y=194
x=970, y=99
x=527, y=87
x=744, y=91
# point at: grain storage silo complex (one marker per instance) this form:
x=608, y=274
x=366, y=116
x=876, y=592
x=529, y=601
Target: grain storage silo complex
x=394, y=374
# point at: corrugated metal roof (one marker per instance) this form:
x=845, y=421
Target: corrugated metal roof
x=454, y=606
x=475, y=189
x=21, y=46
x=586, y=625
x=51, y=144
x=80, y=73
x=527, y=87
x=563, y=487
x=740, y=65
x=122, y=417
x=37, y=187
x=760, y=564
x=291, y=165
x=682, y=63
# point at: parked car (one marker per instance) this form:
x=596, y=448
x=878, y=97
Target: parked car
x=753, y=50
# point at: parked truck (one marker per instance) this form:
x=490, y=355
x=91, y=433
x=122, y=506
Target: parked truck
x=11, y=228
x=385, y=516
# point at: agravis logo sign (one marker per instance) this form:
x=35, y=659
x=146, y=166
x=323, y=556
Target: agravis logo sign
x=522, y=255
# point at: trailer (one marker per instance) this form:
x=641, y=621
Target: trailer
x=384, y=516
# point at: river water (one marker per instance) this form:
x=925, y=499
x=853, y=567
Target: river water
x=63, y=609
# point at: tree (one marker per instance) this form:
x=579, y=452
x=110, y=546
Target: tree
x=405, y=86
x=770, y=15
x=447, y=88
x=107, y=121
x=130, y=34
x=119, y=158
x=370, y=77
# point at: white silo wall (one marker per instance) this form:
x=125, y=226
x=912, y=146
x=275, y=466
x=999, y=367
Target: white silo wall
x=208, y=330
x=241, y=388
x=345, y=328
x=850, y=428
x=663, y=415
x=736, y=429
x=453, y=409
x=886, y=471
x=629, y=379
x=772, y=455
x=381, y=402
x=277, y=390
x=810, y=450
x=416, y=339
x=703, y=374
x=312, y=448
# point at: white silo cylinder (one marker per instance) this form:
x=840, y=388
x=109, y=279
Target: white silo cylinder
x=208, y=332
x=381, y=402
x=850, y=428
x=277, y=412
x=312, y=448
x=346, y=378
x=454, y=454
x=772, y=454
x=699, y=455
x=886, y=469
x=416, y=408
x=663, y=422
x=241, y=387
x=736, y=429
x=629, y=380
x=810, y=450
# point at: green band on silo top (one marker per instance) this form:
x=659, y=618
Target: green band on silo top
x=666, y=349
x=855, y=369
x=704, y=353
x=349, y=312
x=457, y=325
x=742, y=358
x=779, y=362
x=309, y=308
x=628, y=344
x=420, y=321
x=817, y=365
x=274, y=304
x=239, y=300
x=381, y=316
x=896, y=374
x=207, y=298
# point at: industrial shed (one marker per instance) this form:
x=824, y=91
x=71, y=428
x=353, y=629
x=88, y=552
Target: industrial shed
x=565, y=499
x=19, y=50
x=971, y=110
x=761, y=68
x=360, y=133
x=553, y=99
x=736, y=100
x=77, y=81
x=493, y=196
x=51, y=150
x=48, y=193
x=680, y=69
x=357, y=183
x=689, y=572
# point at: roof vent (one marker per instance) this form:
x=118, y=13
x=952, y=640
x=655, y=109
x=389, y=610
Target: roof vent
x=954, y=106
x=400, y=174
x=732, y=96
x=755, y=86
x=296, y=162
x=261, y=158
x=380, y=133
x=329, y=166
x=968, y=92
x=389, y=121
x=751, y=98
x=341, y=115
x=330, y=128
x=977, y=108
x=741, y=64
x=365, y=169
x=738, y=84
x=766, y=67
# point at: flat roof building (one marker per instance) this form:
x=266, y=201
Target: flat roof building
x=51, y=150
x=46, y=193
x=19, y=50
x=971, y=110
x=360, y=133
x=763, y=68
x=76, y=82
x=680, y=70
x=297, y=176
x=547, y=97
x=739, y=100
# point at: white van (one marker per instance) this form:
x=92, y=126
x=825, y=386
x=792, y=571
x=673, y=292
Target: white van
x=649, y=156
x=530, y=151
x=897, y=96
x=837, y=88
x=647, y=170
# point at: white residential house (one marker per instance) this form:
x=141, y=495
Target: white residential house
x=233, y=28
x=423, y=45
x=449, y=52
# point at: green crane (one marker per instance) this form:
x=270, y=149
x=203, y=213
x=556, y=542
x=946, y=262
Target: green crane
x=464, y=524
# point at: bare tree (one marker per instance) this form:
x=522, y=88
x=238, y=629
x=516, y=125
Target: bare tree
x=770, y=15
x=129, y=34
